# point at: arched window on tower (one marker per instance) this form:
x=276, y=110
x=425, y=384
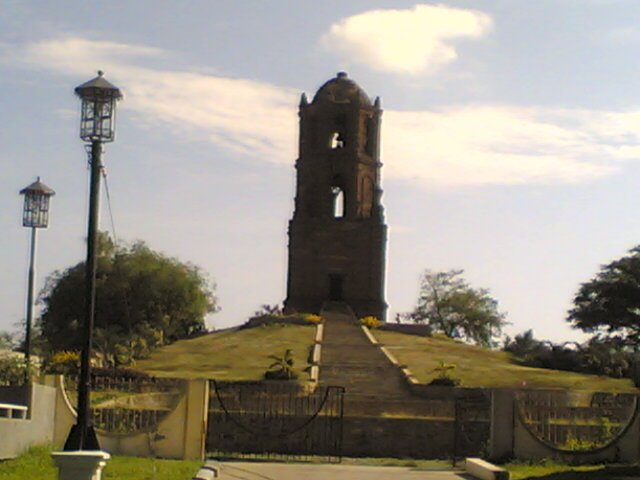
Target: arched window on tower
x=338, y=137
x=337, y=141
x=337, y=205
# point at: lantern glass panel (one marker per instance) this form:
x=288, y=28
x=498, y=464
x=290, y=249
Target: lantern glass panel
x=98, y=119
x=36, y=210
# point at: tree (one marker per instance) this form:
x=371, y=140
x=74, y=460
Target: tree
x=144, y=299
x=608, y=305
x=7, y=341
x=449, y=305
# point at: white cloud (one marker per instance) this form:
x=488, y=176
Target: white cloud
x=414, y=41
x=477, y=145
x=244, y=116
x=456, y=146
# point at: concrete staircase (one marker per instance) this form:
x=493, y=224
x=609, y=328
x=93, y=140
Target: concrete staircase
x=373, y=385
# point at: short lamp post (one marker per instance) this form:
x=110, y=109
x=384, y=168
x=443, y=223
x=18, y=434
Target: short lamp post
x=35, y=215
x=97, y=126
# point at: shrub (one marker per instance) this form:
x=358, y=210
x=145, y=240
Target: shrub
x=311, y=318
x=272, y=315
x=370, y=321
x=282, y=367
x=445, y=377
x=119, y=372
x=13, y=371
x=64, y=362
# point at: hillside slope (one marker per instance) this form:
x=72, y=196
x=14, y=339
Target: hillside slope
x=480, y=367
x=232, y=354
x=236, y=354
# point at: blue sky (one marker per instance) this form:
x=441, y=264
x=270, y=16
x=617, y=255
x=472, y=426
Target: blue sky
x=509, y=138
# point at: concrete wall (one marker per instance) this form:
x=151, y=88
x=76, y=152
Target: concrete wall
x=511, y=438
x=20, y=434
x=180, y=435
x=397, y=437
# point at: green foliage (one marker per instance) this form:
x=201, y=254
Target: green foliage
x=282, y=367
x=608, y=305
x=13, y=370
x=451, y=306
x=598, y=356
x=64, y=362
x=37, y=463
x=144, y=300
x=576, y=444
x=311, y=318
x=370, y=321
x=445, y=375
x=273, y=314
x=7, y=341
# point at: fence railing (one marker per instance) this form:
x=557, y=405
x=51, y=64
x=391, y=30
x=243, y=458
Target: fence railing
x=128, y=405
x=562, y=423
x=265, y=420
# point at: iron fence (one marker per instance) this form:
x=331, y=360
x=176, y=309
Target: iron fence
x=566, y=424
x=472, y=426
x=128, y=405
x=275, y=420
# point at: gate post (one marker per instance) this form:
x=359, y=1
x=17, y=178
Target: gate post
x=197, y=410
x=501, y=436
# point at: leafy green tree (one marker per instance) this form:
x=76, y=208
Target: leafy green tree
x=449, y=305
x=144, y=299
x=608, y=305
x=7, y=341
x=525, y=345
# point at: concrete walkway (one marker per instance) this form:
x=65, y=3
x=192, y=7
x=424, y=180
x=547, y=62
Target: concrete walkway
x=284, y=471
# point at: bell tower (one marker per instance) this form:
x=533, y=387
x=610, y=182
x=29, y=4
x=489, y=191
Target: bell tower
x=337, y=236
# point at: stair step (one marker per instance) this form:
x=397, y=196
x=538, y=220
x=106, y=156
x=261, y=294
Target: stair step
x=349, y=359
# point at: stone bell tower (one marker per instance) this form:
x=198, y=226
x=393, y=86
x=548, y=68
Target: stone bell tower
x=337, y=236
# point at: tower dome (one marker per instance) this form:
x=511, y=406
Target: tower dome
x=342, y=89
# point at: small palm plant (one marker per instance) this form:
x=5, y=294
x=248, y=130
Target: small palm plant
x=282, y=367
x=445, y=375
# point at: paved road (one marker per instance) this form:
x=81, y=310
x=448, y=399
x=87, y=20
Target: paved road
x=283, y=471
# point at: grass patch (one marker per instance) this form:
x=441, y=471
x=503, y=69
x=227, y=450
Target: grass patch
x=481, y=367
x=549, y=470
x=37, y=463
x=232, y=354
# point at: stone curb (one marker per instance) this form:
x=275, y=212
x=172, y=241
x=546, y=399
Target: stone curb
x=478, y=468
x=408, y=375
x=317, y=351
x=208, y=471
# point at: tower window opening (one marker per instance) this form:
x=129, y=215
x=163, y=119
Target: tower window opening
x=337, y=141
x=338, y=202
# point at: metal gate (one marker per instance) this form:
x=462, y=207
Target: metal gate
x=274, y=420
x=472, y=426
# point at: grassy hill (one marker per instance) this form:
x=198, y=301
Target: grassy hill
x=232, y=354
x=480, y=367
x=236, y=354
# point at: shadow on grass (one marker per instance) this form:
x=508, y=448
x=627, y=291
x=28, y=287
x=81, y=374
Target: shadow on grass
x=605, y=473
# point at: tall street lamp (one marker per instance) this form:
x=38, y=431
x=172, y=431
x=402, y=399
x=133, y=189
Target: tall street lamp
x=97, y=126
x=35, y=214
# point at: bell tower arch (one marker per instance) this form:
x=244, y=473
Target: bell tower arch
x=337, y=236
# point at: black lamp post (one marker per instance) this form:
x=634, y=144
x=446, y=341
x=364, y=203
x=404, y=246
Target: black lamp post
x=35, y=214
x=97, y=126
